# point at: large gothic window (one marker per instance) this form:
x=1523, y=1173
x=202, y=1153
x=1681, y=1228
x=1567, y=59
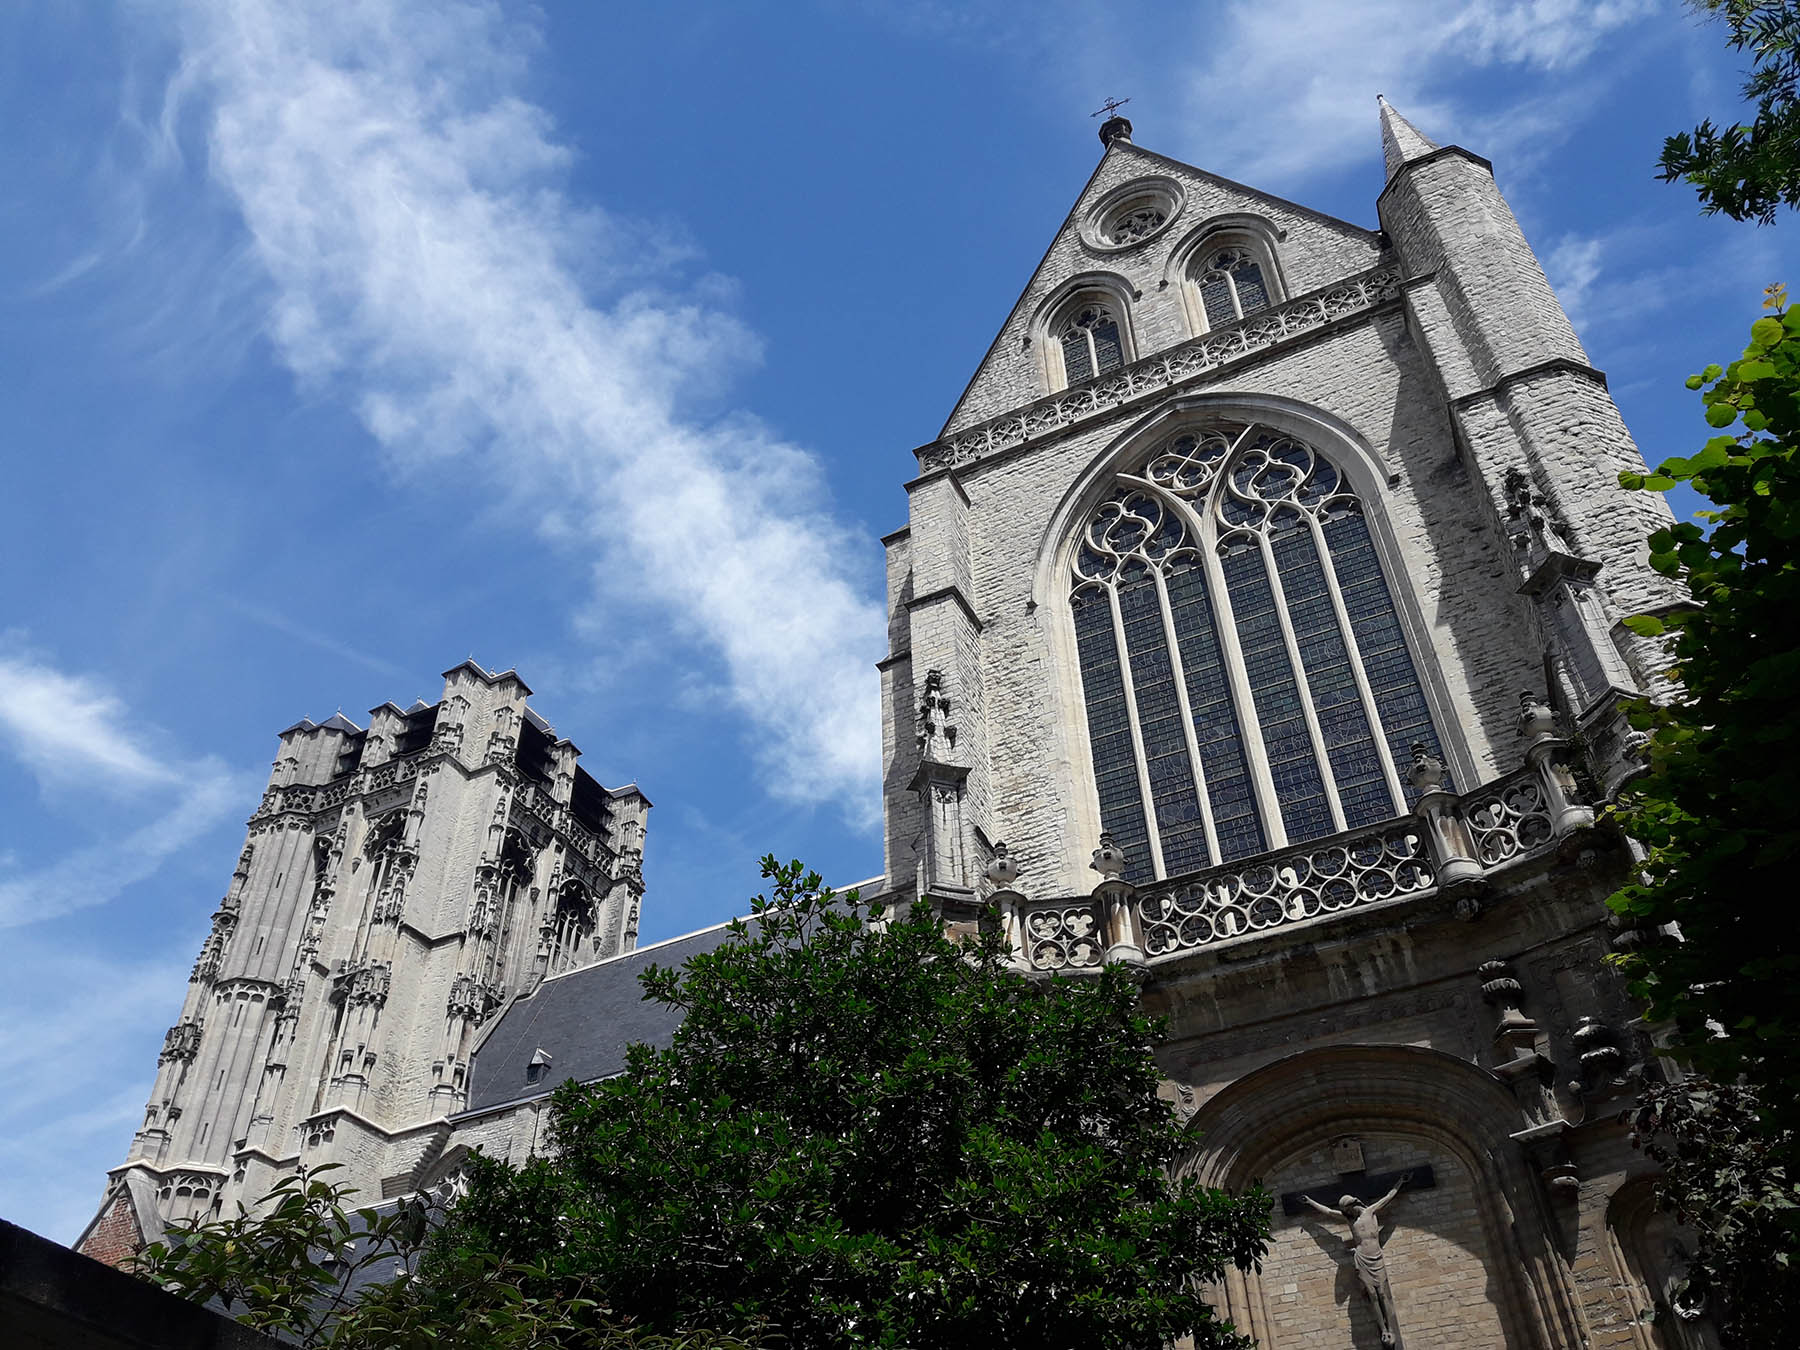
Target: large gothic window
x=1091, y=341
x=1231, y=285
x=1247, y=680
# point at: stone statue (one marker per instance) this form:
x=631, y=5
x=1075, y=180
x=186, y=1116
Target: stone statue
x=1365, y=1239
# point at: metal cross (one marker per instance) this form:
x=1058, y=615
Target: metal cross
x=1111, y=106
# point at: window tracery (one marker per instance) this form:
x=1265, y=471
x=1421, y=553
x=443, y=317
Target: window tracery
x=1231, y=285
x=1091, y=342
x=1246, y=676
x=1137, y=223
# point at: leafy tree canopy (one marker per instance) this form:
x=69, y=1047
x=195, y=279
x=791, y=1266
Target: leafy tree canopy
x=1719, y=809
x=312, y=1271
x=866, y=1133
x=1748, y=170
x=1730, y=1181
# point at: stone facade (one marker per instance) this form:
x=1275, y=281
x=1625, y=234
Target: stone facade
x=1424, y=993
x=399, y=886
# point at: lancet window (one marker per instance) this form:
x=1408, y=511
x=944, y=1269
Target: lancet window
x=1247, y=678
x=571, y=926
x=1091, y=341
x=1231, y=285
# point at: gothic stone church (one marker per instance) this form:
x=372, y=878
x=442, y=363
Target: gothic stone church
x=1256, y=624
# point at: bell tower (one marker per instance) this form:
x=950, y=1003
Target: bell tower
x=399, y=884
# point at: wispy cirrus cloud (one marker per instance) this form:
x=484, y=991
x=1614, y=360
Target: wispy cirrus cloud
x=428, y=268
x=98, y=1021
x=1286, y=92
x=70, y=731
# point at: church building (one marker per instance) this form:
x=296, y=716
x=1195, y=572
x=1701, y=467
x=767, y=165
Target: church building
x=1257, y=624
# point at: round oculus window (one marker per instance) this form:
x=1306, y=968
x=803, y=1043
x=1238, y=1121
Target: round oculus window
x=1134, y=215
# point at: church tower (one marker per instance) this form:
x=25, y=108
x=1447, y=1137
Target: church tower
x=1257, y=623
x=398, y=887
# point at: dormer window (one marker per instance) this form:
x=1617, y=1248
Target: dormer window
x=1231, y=285
x=1091, y=343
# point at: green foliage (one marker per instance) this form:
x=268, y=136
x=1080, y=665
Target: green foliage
x=1719, y=814
x=868, y=1134
x=1732, y=1183
x=1748, y=170
x=297, y=1271
x=1719, y=810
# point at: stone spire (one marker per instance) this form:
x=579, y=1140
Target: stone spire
x=1401, y=142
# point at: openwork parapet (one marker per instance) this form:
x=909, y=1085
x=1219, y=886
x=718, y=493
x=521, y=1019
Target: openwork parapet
x=1156, y=373
x=1448, y=842
x=1286, y=888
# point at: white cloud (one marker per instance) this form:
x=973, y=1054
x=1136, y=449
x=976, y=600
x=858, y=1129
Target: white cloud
x=71, y=731
x=1284, y=92
x=429, y=269
x=68, y=727
x=1573, y=267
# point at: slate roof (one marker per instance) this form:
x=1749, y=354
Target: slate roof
x=583, y=1019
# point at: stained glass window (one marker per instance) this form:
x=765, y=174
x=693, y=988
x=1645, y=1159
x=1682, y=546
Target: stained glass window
x=1091, y=343
x=1231, y=286
x=1245, y=672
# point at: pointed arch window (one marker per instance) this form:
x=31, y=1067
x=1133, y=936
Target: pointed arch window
x=1231, y=284
x=1092, y=341
x=1247, y=679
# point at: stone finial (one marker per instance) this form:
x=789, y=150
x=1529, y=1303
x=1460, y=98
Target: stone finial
x=1536, y=720
x=936, y=733
x=1109, y=858
x=1115, y=128
x=1002, y=871
x=1427, y=771
x=1401, y=142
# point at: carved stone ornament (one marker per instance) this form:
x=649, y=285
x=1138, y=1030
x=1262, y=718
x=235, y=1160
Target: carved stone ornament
x=1003, y=870
x=1427, y=771
x=1536, y=720
x=1109, y=858
x=936, y=734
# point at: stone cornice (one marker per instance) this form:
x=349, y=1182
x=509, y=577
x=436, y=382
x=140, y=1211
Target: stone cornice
x=1558, y=364
x=1303, y=316
x=948, y=593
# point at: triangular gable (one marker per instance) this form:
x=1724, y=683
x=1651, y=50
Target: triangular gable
x=125, y=1223
x=1314, y=250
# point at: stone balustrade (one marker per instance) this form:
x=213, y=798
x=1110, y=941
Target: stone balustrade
x=1450, y=841
x=1155, y=374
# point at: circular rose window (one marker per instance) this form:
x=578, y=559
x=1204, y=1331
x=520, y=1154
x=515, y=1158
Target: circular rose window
x=1136, y=213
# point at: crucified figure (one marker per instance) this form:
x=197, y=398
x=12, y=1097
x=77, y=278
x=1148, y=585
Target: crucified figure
x=1365, y=1240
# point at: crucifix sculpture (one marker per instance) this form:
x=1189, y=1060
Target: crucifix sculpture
x=1363, y=1214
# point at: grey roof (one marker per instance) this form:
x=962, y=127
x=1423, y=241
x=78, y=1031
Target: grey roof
x=584, y=1020
x=338, y=722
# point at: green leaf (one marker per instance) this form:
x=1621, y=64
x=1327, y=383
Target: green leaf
x=1721, y=415
x=1766, y=332
x=1645, y=625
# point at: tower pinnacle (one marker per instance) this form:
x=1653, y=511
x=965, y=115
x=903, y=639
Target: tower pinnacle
x=1401, y=142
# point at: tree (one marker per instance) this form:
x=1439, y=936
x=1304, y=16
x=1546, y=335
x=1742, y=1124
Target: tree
x=1730, y=1181
x=866, y=1133
x=1749, y=170
x=1719, y=808
x=314, y=1272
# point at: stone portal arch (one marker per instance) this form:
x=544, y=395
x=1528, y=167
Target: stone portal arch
x=1471, y=1260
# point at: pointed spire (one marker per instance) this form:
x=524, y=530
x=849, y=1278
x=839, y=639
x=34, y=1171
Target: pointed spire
x=1401, y=142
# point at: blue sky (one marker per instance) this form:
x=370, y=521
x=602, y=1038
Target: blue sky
x=344, y=342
